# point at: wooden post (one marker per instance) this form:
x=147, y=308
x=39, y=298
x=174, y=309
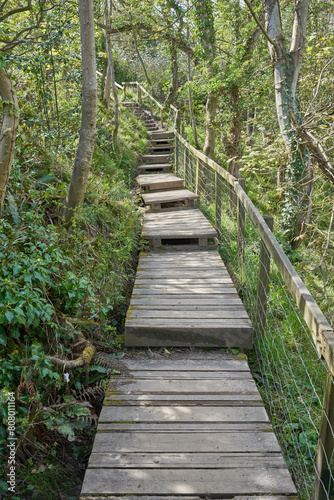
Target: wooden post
x=162, y=118
x=178, y=121
x=263, y=282
x=322, y=480
x=218, y=203
x=139, y=94
x=185, y=166
x=176, y=165
x=197, y=173
x=151, y=107
x=124, y=90
x=241, y=224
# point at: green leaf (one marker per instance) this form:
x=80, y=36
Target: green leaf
x=3, y=486
x=10, y=316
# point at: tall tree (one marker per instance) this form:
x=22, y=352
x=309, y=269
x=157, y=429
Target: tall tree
x=206, y=34
x=286, y=62
x=83, y=159
x=11, y=37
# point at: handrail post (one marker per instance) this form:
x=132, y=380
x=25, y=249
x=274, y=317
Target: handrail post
x=162, y=118
x=139, y=93
x=241, y=224
x=178, y=122
x=218, y=203
x=197, y=174
x=124, y=90
x=184, y=166
x=176, y=166
x=322, y=480
x=151, y=106
x=263, y=282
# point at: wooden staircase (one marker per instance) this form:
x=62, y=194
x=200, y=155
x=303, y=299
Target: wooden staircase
x=184, y=271
x=192, y=426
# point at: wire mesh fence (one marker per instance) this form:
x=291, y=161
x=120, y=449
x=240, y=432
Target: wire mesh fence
x=295, y=382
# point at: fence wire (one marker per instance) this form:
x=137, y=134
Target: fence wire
x=289, y=372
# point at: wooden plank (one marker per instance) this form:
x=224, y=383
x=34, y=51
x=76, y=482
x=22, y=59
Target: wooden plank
x=190, y=322
x=169, y=196
x=166, y=281
x=193, y=299
x=149, y=333
x=187, y=386
x=192, y=315
x=183, y=413
x=183, y=399
x=186, y=481
x=181, y=271
x=108, y=497
x=187, y=364
x=186, y=461
x=191, y=375
x=187, y=442
x=156, y=158
x=204, y=428
x=186, y=290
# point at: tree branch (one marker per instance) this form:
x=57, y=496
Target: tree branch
x=315, y=148
x=16, y=11
x=260, y=25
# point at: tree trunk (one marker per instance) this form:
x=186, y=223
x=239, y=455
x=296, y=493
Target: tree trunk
x=8, y=131
x=83, y=159
x=206, y=28
x=141, y=60
x=107, y=85
x=286, y=66
x=110, y=70
x=173, y=88
x=191, y=109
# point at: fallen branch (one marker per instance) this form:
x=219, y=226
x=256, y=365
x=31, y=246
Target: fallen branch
x=84, y=360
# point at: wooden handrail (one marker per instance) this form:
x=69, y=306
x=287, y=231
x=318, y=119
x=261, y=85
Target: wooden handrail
x=321, y=331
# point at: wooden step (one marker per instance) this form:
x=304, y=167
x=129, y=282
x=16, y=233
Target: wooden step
x=167, y=199
x=156, y=158
x=157, y=142
x=180, y=227
x=155, y=167
x=161, y=135
x=155, y=182
x=185, y=429
x=174, y=326
x=160, y=147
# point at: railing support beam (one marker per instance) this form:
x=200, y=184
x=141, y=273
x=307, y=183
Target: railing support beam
x=322, y=481
x=263, y=282
x=241, y=224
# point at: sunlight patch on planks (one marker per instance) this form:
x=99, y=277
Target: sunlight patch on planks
x=174, y=448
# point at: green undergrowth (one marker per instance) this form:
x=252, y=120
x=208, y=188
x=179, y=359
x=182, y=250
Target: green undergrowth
x=63, y=291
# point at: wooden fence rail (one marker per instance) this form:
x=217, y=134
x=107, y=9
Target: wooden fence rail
x=321, y=331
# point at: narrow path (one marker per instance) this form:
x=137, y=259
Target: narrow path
x=193, y=426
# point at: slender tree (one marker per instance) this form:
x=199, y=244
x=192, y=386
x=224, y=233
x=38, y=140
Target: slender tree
x=206, y=34
x=286, y=62
x=8, y=131
x=83, y=159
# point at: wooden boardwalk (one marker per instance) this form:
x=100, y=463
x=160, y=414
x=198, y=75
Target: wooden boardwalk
x=194, y=426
